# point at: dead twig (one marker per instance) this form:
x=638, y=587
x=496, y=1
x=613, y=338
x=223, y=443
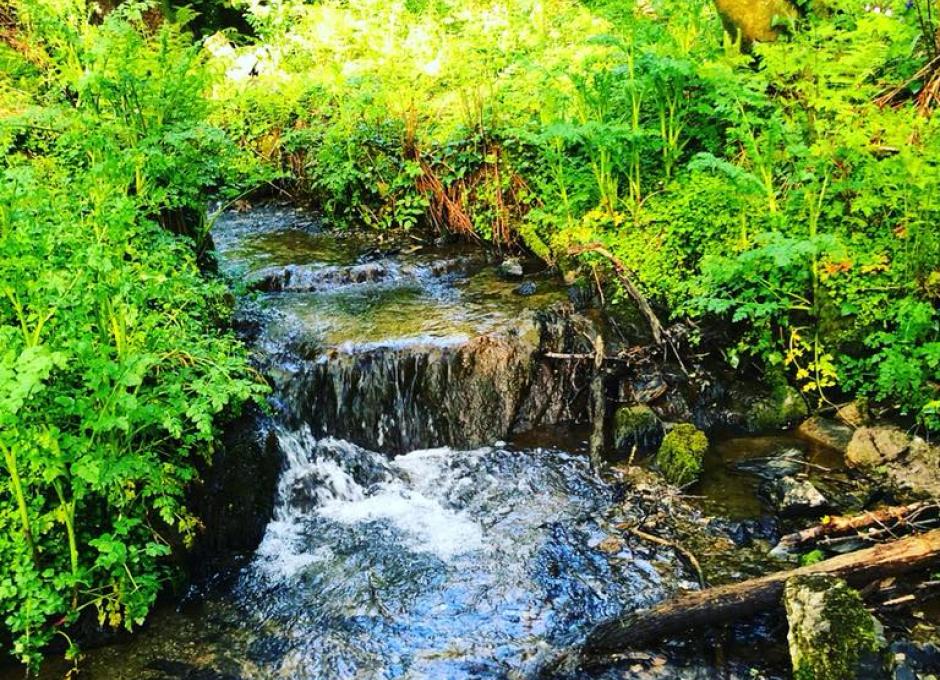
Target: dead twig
x=689, y=557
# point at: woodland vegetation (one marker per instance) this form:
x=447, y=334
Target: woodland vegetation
x=788, y=188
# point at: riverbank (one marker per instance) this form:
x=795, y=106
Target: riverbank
x=449, y=561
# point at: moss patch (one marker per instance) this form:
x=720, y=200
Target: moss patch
x=681, y=454
x=636, y=426
x=783, y=407
x=830, y=630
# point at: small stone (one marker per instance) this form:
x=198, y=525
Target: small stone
x=510, y=268
x=794, y=498
x=526, y=289
x=611, y=545
x=873, y=446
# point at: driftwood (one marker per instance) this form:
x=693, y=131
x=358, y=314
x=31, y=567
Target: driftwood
x=598, y=404
x=875, y=525
x=626, y=280
x=704, y=608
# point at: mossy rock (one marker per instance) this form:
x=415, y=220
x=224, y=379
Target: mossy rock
x=754, y=20
x=832, y=636
x=637, y=426
x=682, y=453
x=782, y=408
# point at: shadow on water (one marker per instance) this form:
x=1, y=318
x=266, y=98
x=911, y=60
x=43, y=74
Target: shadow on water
x=732, y=493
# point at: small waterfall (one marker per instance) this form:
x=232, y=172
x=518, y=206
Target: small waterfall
x=460, y=561
x=436, y=560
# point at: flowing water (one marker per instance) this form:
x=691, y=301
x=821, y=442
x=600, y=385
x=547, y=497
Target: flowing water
x=443, y=562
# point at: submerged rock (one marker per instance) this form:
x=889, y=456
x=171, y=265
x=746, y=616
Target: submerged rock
x=527, y=288
x=637, y=426
x=510, y=268
x=911, y=661
x=873, y=446
x=832, y=636
x=791, y=497
x=295, y=278
x=784, y=464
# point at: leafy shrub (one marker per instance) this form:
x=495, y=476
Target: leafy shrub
x=116, y=367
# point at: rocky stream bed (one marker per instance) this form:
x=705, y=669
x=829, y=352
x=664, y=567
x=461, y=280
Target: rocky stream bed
x=420, y=503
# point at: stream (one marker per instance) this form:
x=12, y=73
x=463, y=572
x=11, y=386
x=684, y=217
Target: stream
x=434, y=515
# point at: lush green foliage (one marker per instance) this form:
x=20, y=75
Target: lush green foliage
x=774, y=189
x=791, y=192
x=114, y=368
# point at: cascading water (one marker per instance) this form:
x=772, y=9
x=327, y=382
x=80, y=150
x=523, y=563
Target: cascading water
x=477, y=559
x=438, y=563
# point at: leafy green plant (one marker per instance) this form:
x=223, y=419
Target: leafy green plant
x=117, y=367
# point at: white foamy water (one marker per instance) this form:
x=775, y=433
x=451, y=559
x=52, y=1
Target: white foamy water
x=317, y=484
x=426, y=524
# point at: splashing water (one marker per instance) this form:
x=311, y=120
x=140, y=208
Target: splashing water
x=439, y=563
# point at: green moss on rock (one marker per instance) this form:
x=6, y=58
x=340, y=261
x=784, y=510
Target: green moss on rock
x=782, y=408
x=637, y=426
x=832, y=636
x=754, y=20
x=681, y=454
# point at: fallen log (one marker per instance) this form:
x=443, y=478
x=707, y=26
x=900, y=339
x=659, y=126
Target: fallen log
x=873, y=525
x=705, y=608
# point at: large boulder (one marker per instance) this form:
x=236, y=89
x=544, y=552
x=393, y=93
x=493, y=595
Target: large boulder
x=832, y=636
x=918, y=470
x=909, y=463
x=874, y=446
